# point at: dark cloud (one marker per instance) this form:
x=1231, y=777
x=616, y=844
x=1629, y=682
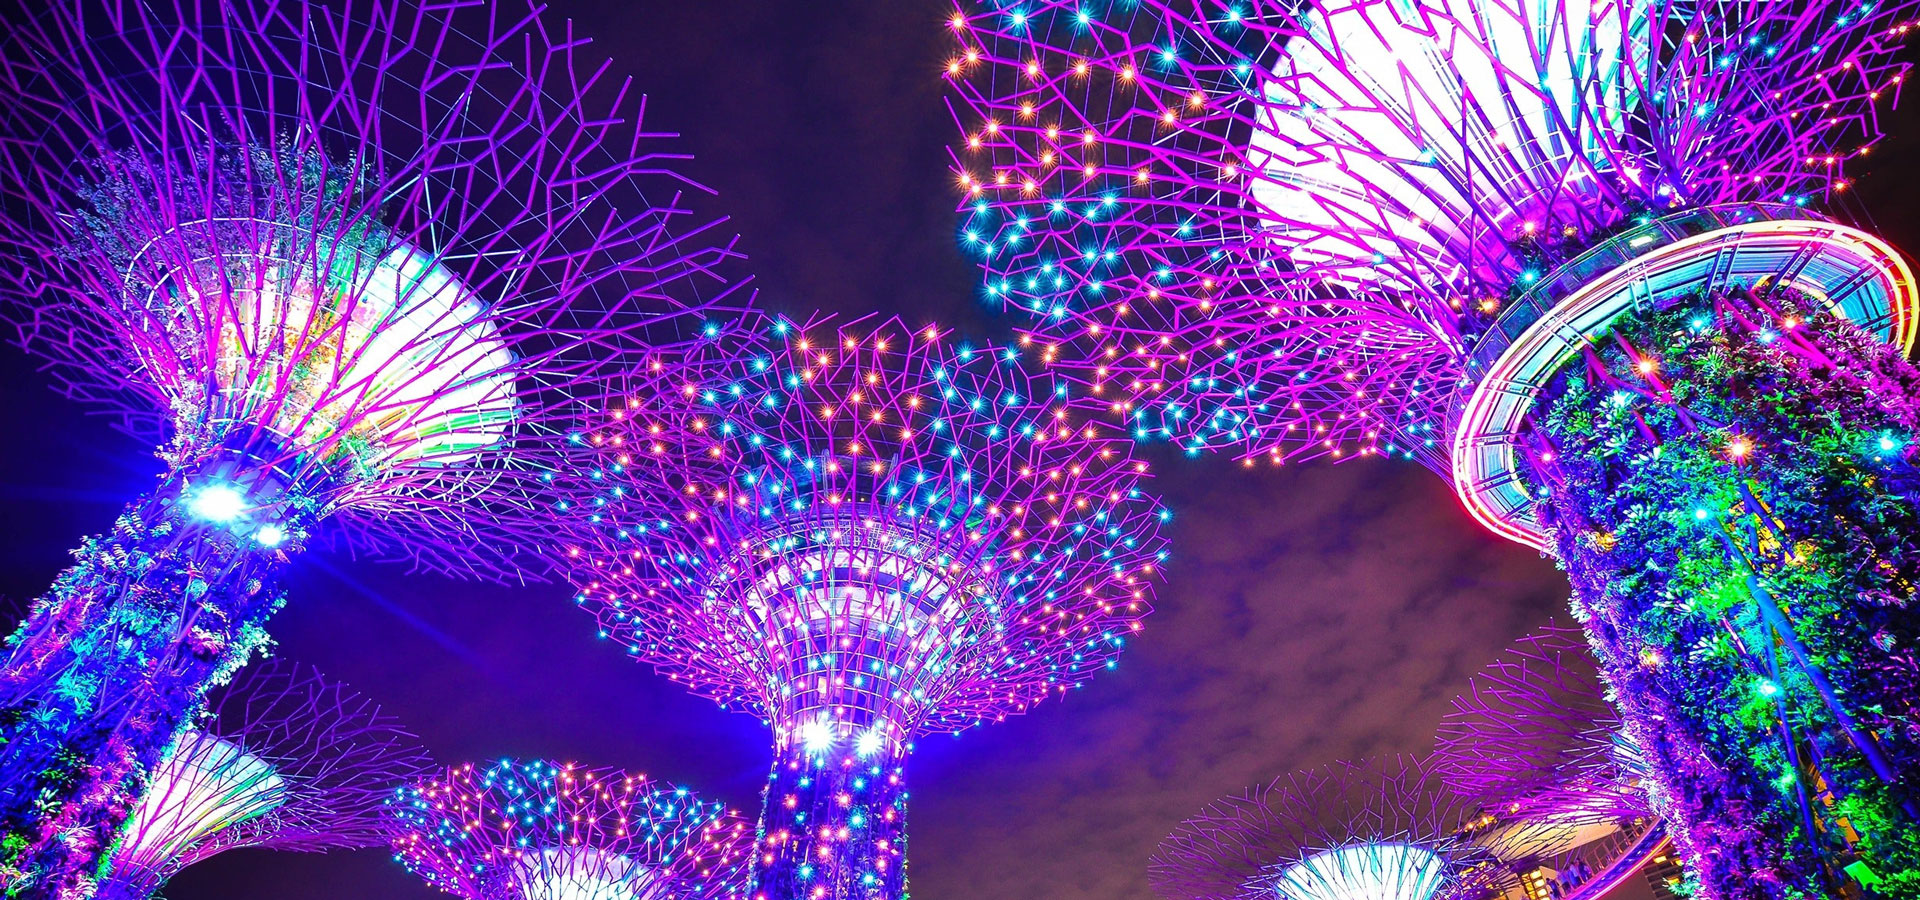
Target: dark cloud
x=1311, y=614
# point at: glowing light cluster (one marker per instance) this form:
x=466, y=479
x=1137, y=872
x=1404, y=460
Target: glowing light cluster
x=537, y=830
x=1382, y=829
x=348, y=267
x=875, y=527
x=864, y=534
x=1288, y=231
x=289, y=761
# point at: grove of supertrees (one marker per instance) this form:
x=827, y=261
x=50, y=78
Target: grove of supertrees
x=288, y=761
x=863, y=534
x=1382, y=829
x=538, y=830
x=1564, y=254
x=347, y=263
x=1534, y=744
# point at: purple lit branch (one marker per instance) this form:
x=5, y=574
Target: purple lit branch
x=1374, y=828
x=1534, y=737
x=289, y=761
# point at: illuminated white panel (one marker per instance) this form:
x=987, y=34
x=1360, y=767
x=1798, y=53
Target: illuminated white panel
x=411, y=359
x=1363, y=872
x=580, y=873
x=382, y=351
x=432, y=359
x=205, y=784
x=1546, y=836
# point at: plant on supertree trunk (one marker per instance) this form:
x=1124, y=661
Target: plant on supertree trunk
x=347, y=267
x=1779, y=578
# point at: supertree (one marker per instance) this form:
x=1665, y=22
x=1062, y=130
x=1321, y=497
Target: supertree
x=289, y=760
x=864, y=535
x=537, y=830
x=1534, y=743
x=1382, y=829
x=349, y=262
x=1563, y=254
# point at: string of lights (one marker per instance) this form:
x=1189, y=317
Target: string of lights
x=538, y=830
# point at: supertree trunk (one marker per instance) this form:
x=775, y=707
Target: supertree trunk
x=833, y=826
x=117, y=657
x=1733, y=485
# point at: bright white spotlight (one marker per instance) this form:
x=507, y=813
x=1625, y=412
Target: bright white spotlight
x=218, y=502
x=817, y=736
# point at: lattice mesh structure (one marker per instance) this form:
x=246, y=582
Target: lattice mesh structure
x=930, y=500
x=1379, y=828
x=1534, y=743
x=538, y=830
x=1534, y=736
x=352, y=263
x=289, y=760
x=867, y=534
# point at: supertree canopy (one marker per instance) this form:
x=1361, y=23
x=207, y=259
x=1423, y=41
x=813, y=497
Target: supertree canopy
x=1535, y=745
x=349, y=262
x=289, y=760
x=1563, y=253
x=1534, y=733
x=865, y=535
x=537, y=830
x=1380, y=829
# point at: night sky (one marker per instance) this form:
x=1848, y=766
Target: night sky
x=1310, y=613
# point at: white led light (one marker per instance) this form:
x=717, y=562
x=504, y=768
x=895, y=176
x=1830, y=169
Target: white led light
x=218, y=503
x=1363, y=872
x=580, y=873
x=817, y=736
